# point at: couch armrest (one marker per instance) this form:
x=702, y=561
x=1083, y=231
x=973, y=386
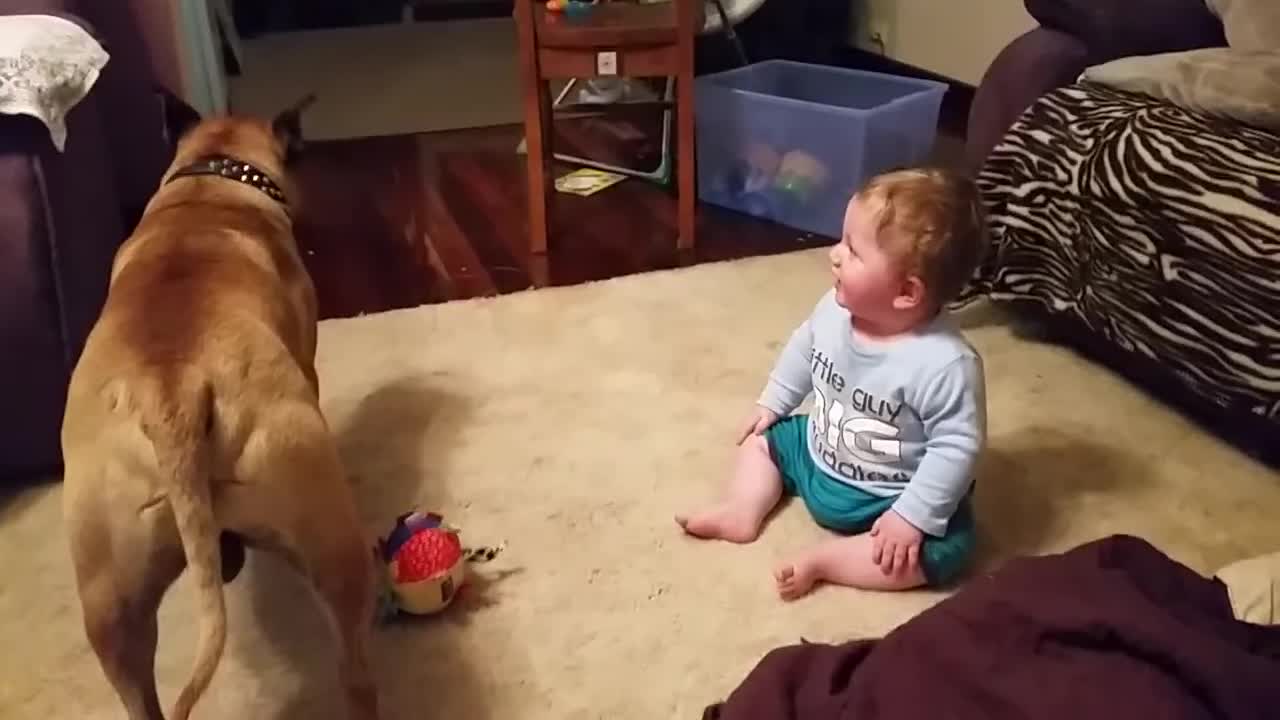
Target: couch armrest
x=130, y=87
x=130, y=100
x=60, y=225
x=1112, y=29
x=1033, y=64
x=65, y=9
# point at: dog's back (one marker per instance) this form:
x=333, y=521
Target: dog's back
x=208, y=296
x=211, y=293
x=197, y=385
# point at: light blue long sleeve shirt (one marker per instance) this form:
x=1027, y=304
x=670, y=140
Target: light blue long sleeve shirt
x=904, y=417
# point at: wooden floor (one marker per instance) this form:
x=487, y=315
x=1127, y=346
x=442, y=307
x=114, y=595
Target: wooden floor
x=401, y=221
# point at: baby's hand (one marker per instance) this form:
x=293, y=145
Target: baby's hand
x=895, y=544
x=757, y=422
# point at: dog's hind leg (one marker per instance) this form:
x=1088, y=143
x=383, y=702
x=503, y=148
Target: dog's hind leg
x=122, y=575
x=294, y=495
x=343, y=576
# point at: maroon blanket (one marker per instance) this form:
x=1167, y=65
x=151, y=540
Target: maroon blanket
x=1111, y=629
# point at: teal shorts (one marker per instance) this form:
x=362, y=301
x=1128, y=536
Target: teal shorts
x=845, y=509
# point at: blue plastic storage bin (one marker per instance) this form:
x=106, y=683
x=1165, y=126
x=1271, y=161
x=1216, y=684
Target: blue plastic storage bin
x=791, y=142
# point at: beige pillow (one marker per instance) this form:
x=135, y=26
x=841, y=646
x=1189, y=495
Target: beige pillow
x=1249, y=24
x=1226, y=82
x=1254, y=586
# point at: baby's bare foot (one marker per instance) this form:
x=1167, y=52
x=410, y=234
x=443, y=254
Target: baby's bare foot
x=796, y=579
x=723, y=522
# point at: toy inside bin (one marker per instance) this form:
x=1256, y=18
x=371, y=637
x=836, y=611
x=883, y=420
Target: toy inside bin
x=790, y=142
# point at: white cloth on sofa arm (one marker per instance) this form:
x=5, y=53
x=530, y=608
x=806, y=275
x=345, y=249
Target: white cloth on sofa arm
x=1254, y=587
x=47, y=65
x=1238, y=84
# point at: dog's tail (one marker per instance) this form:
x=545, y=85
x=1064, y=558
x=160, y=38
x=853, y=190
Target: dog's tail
x=181, y=437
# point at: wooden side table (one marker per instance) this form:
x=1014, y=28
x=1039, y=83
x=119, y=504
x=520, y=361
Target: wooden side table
x=626, y=39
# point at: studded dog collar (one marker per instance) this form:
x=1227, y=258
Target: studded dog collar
x=232, y=169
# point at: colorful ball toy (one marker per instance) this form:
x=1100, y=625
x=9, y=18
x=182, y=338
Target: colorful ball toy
x=426, y=564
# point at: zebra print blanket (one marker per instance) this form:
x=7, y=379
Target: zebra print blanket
x=1156, y=227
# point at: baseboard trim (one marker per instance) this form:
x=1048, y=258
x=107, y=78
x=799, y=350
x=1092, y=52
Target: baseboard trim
x=462, y=10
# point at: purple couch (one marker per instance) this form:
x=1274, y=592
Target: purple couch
x=1143, y=232
x=62, y=216
x=1073, y=35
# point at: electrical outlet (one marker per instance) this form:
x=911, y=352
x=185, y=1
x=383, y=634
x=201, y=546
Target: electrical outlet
x=878, y=35
x=607, y=63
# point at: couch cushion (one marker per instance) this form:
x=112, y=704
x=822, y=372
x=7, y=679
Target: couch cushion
x=1249, y=24
x=1225, y=82
x=1135, y=27
x=1155, y=232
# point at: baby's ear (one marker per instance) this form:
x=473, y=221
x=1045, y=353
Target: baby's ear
x=911, y=295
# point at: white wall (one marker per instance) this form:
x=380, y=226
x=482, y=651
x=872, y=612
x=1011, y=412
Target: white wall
x=954, y=38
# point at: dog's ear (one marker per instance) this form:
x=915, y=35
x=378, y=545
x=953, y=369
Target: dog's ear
x=287, y=125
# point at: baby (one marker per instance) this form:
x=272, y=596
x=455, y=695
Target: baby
x=886, y=457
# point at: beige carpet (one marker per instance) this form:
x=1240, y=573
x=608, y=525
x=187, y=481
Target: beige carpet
x=386, y=79
x=571, y=423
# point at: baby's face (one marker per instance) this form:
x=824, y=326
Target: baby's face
x=867, y=279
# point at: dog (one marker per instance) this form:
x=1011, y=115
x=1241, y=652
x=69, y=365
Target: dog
x=192, y=421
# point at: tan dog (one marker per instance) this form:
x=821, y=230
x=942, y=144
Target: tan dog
x=193, y=416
